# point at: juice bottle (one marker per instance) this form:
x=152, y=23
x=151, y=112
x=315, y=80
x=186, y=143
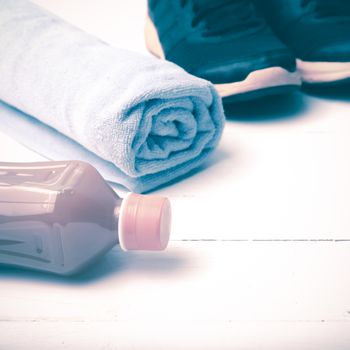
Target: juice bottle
x=61, y=216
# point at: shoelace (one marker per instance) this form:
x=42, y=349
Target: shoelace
x=223, y=17
x=329, y=8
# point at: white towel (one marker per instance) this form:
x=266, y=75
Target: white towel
x=141, y=121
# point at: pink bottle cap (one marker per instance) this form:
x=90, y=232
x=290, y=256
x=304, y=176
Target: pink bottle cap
x=144, y=222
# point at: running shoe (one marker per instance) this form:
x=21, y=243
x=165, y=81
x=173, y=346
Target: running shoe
x=317, y=31
x=223, y=41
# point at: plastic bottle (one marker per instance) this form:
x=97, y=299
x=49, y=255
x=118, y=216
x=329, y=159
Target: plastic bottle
x=61, y=216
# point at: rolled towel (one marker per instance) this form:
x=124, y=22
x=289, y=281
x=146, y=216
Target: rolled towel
x=143, y=122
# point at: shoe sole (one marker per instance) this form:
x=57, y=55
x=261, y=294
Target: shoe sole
x=267, y=80
x=323, y=72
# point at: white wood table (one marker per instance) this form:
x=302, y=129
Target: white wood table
x=260, y=249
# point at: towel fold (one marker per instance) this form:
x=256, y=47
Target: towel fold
x=147, y=121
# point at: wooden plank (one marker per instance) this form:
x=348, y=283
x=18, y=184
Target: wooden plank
x=282, y=180
x=199, y=295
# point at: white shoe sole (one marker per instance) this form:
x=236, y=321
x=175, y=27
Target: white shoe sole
x=323, y=72
x=261, y=79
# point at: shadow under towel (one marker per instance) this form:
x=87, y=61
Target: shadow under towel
x=141, y=121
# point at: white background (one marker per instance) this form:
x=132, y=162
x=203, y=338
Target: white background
x=260, y=249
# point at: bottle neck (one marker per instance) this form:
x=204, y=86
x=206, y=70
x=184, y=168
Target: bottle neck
x=116, y=214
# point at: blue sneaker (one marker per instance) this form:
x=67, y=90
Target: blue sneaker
x=225, y=42
x=317, y=31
